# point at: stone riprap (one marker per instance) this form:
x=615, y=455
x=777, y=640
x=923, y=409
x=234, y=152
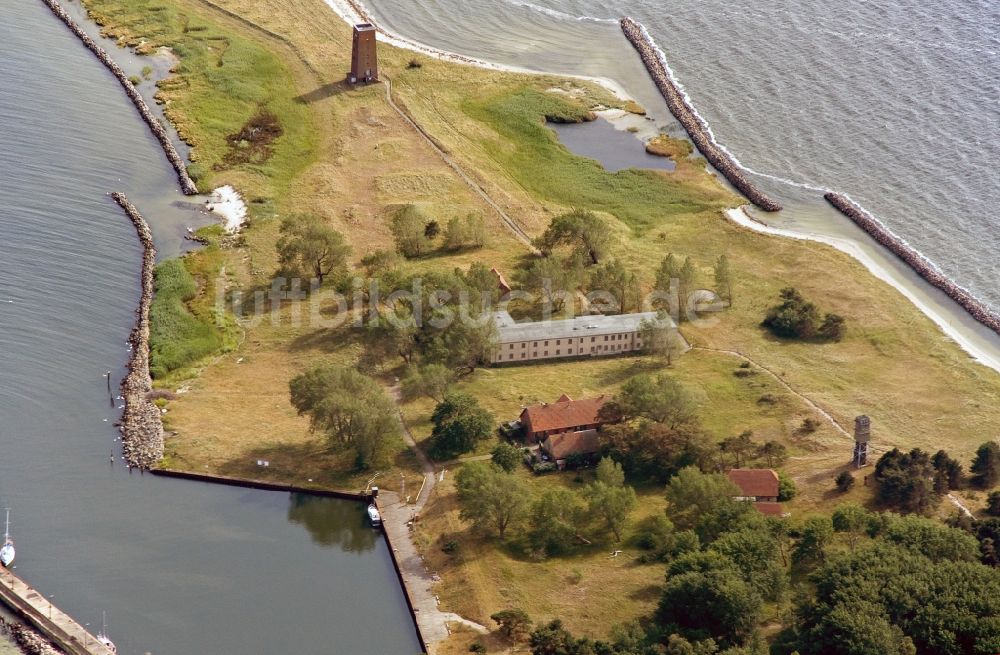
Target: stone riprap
x=187, y=184
x=141, y=423
x=689, y=118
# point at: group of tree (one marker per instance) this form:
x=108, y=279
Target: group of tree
x=460, y=424
x=498, y=502
x=653, y=429
x=797, y=318
x=914, y=481
x=416, y=234
x=349, y=408
x=309, y=248
x=860, y=582
x=431, y=318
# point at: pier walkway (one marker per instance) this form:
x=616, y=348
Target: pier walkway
x=51, y=622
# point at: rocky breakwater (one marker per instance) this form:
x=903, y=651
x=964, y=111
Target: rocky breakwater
x=141, y=424
x=692, y=122
x=27, y=640
x=914, y=259
x=187, y=184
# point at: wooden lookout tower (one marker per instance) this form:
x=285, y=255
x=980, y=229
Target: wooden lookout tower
x=364, y=60
x=862, y=437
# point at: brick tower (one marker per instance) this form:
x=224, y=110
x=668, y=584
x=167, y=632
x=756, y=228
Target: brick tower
x=364, y=61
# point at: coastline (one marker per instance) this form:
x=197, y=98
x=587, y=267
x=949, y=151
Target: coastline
x=352, y=10
x=188, y=186
x=739, y=216
x=141, y=424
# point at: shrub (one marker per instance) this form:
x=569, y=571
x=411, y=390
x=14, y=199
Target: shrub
x=809, y=425
x=786, y=488
x=543, y=467
x=416, y=63
x=797, y=318
x=450, y=547
x=844, y=481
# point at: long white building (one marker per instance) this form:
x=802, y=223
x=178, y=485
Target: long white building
x=583, y=336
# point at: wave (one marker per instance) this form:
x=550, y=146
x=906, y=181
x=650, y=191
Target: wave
x=561, y=15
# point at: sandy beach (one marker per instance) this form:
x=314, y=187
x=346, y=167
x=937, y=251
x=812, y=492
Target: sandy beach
x=981, y=344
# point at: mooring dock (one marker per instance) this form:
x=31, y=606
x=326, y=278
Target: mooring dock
x=51, y=622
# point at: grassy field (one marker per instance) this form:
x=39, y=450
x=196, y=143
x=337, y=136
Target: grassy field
x=345, y=155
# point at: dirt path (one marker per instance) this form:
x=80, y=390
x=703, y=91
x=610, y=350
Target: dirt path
x=819, y=410
x=396, y=517
x=508, y=221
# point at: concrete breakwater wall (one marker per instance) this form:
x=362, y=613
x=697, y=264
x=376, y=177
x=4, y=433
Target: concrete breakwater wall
x=914, y=259
x=141, y=424
x=686, y=116
x=187, y=184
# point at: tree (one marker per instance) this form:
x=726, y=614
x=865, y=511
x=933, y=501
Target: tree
x=844, y=481
x=583, y=231
x=786, y=488
x=506, y=456
x=755, y=553
x=660, y=399
x=430, y=380
x=514, y=624
x=986, y=465
x=905, y=480
x=704, y=502
x=459, y=424
x=654, y=451
x=833, y=328
x=609, y=499
x=742, y=447
x=814, y=537
x=409, y=229
x=723, y=279
x=380, y=262
x=851, y=519
x=949, y=467
x=556, y=517
x=661, y=338
x=993, y=503
x=707, y=598
x=490, y=498
x=467, y=232
x=793, y=317
x=351, y=408
x=930, y=538
x=556, y=281
x=610, y=473
x=468, y=345
x=308, y=247
x=774, y=453
x=943, y=607
x=614, y=278
x=685, y=287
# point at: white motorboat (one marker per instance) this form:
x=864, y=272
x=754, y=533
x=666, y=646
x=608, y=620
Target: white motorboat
x=102, y=636
x=374, y=516
x=7, y=550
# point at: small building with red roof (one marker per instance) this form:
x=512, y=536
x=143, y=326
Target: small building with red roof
x=563, y=416
x=760, y=487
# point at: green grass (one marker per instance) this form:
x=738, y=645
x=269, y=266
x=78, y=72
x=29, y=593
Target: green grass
x=183, y=325
x=639, y=198
x=221, y=81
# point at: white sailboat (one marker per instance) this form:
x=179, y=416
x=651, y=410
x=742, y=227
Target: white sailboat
x=7, y=550
x=102, y=636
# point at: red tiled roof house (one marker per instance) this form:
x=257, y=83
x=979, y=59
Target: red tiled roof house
x=760, y=487
x=564, y=415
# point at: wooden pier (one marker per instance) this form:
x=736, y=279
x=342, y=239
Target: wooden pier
x=51, y=622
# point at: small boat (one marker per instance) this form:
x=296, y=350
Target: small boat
x=102, y=636
x=7, y=550
x=374, y=516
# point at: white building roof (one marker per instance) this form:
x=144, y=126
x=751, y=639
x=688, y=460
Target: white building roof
x=581, y=326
